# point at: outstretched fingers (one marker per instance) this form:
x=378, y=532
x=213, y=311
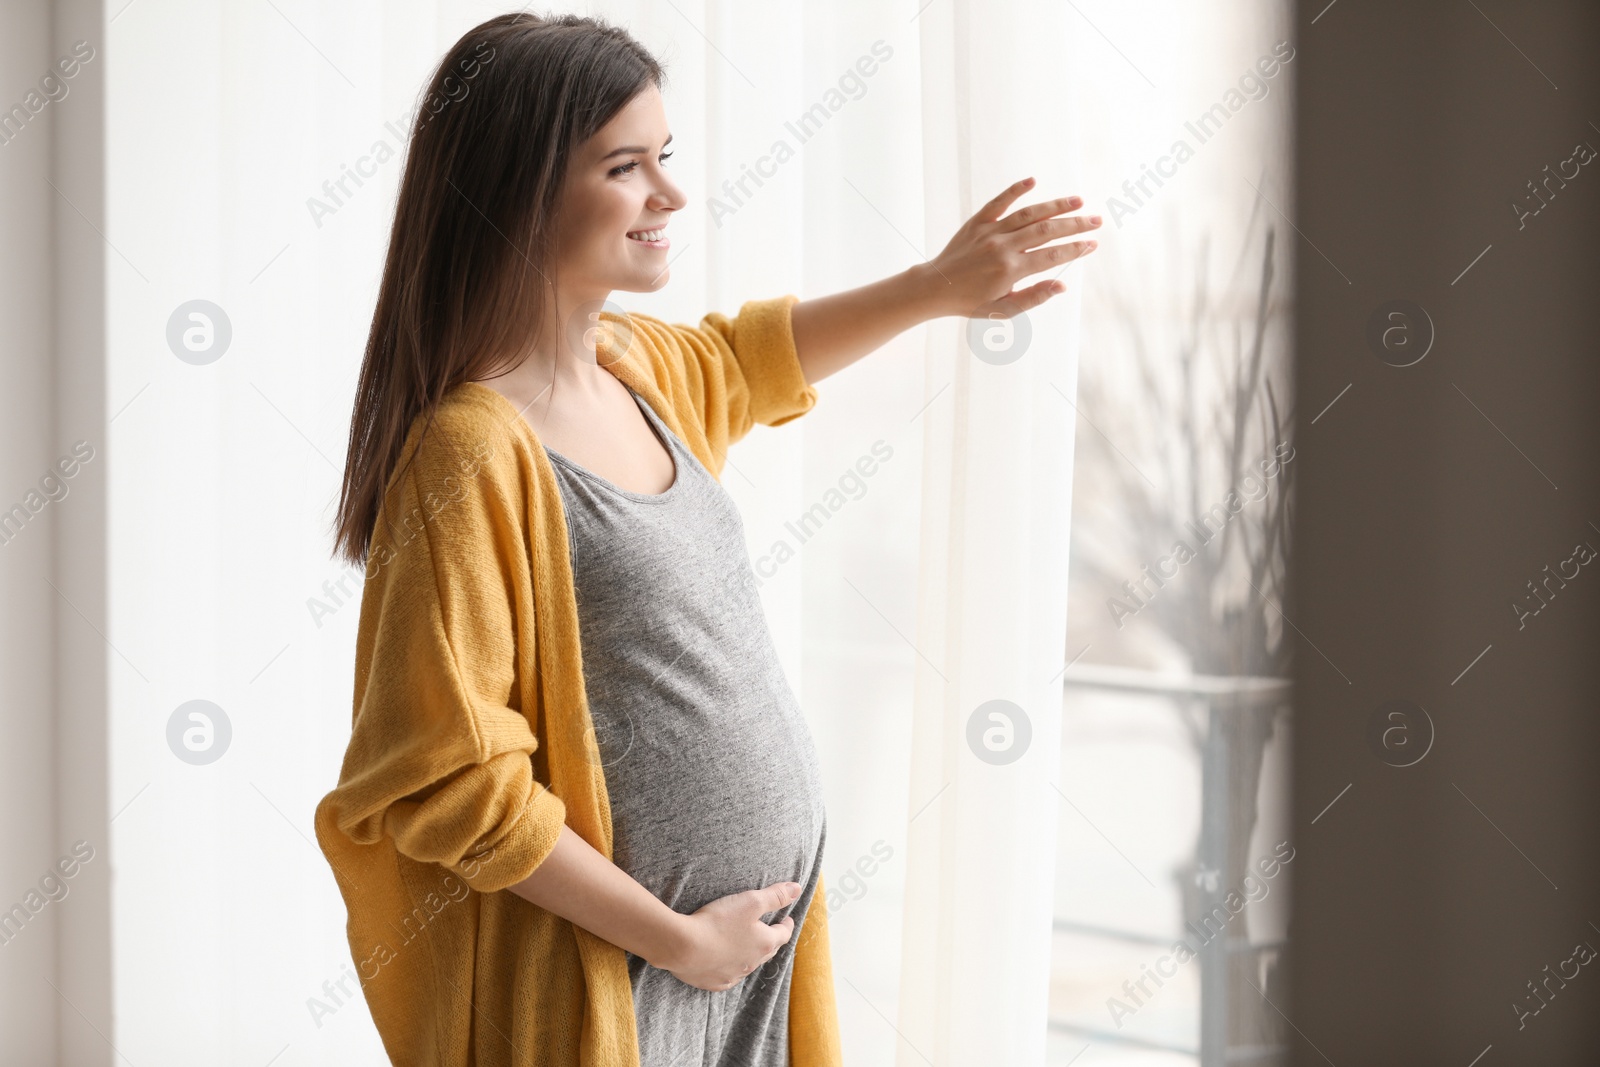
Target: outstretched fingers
x=1044, y=230
x=1054, y=255
x=992, y=211
x=1024, y=299
x=1047, y=209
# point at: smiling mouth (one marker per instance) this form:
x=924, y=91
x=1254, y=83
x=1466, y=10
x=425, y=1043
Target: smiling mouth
x=649, y=237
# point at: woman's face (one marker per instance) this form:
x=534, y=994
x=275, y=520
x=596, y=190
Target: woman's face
x=616, y=185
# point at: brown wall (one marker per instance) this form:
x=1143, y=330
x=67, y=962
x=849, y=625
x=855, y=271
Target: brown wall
x=1429, y=496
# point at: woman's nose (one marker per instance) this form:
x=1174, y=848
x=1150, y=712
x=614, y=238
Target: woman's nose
x=668, y=197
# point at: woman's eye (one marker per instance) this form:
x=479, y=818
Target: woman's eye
x=628, y=167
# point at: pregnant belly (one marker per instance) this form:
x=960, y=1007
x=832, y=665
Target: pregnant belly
x=706, y=805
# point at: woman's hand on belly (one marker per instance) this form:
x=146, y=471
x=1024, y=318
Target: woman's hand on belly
x=726, y=940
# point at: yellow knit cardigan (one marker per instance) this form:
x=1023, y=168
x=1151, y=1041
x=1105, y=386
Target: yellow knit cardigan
x=472, y=742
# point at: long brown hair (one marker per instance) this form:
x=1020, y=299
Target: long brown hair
x=470, y=253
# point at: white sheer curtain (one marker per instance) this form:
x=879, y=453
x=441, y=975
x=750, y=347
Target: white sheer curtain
x=929, y=586
x=997, y=482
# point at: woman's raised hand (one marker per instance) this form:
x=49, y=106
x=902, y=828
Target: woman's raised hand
x=989, y=254
x=726, y=939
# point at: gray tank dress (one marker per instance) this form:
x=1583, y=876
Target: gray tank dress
x=710, y=767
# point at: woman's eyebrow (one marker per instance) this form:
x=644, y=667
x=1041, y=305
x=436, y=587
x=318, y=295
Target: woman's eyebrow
x=633, y=149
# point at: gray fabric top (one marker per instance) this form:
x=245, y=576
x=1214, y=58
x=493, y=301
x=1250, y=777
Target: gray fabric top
x=710, y=768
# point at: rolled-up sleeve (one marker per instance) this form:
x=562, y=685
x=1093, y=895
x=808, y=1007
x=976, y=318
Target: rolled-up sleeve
x=738, y=371
x=440, y=759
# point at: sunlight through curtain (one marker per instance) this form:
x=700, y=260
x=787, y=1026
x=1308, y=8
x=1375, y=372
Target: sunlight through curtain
x=992, y=594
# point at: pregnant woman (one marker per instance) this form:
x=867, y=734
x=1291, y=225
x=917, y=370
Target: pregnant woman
x=580, y=820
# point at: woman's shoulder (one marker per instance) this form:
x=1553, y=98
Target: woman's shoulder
x=473, y=407
x=473, y=416
x=472, y=433
x=640, y=342
x=464, y=469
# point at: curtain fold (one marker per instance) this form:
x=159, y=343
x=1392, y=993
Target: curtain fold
x=992, y=578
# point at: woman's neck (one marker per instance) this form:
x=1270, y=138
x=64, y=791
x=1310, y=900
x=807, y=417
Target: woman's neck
x=563, y=361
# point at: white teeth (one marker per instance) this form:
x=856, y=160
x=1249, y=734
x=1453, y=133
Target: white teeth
x=648, y=235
